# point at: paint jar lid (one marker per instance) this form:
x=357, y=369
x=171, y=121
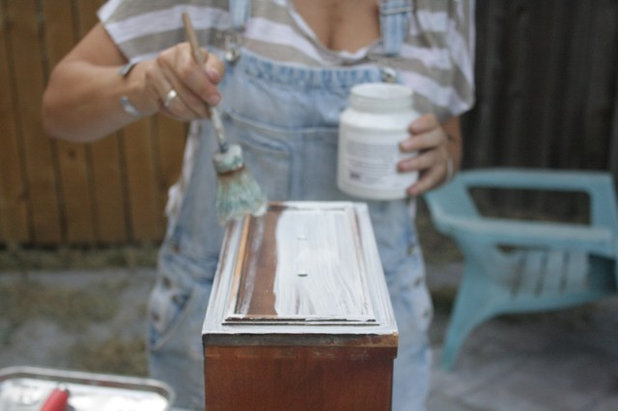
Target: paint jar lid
x=380, y=97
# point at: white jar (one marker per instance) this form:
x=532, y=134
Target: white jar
x=370, y=131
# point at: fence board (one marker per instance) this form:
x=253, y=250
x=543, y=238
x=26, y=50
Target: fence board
x=170, y=140
x=599, y=99
x=613, y=147
x=518, y=80
x=108, y=185
x=555, y=48
x=25, y=49
x=145, y=206
x=77, y=204
x=560, y=113
x=577, y=67
x=482, y=123
x=13, y=213
x=106, y=163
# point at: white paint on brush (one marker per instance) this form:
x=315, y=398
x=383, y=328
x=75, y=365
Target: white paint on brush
x=319, y=273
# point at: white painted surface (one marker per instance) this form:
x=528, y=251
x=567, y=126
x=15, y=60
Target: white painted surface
x=341, y=288
x=319, y=272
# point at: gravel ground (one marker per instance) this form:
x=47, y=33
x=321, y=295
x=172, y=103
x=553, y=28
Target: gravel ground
x=94, y=320
x=85, y=320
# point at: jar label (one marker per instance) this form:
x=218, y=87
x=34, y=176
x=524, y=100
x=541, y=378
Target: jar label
x=368, y=167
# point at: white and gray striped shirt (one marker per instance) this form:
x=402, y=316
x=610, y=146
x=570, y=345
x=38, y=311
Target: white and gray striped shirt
x=436, y=59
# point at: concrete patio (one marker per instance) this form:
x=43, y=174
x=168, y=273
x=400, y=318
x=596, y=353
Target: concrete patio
x=566, y=360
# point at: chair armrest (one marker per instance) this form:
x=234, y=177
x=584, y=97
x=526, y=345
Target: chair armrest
x=599, y=240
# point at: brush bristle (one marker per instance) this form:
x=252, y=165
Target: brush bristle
x=238, y=193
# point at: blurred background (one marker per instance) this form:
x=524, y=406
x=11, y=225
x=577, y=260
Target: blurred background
x=547, y=96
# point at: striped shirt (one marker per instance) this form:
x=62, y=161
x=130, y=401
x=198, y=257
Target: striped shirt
x=436, y=59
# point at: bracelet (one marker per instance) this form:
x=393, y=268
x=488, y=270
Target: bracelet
x=129, y=107
x=126, y=69
x=124, y=100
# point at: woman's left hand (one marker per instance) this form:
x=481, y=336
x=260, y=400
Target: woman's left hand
x=430, y=140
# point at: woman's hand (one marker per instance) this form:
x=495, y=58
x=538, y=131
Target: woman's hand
x=435, y=148
x=180, y=87
x=82, y=98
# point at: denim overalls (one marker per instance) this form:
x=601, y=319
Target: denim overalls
x=286, y=119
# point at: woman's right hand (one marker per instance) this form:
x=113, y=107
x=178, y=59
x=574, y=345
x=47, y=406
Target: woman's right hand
x=82, y=98
x=178, y=86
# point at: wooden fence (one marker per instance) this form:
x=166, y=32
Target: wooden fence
x=547, y=86
x=55, y=192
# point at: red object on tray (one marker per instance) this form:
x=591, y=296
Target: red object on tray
x=58, y=400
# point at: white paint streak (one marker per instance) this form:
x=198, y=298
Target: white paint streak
x=318, y=270
x=362, y=299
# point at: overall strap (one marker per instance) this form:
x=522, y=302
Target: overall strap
x=394, y=24
x=239, y=13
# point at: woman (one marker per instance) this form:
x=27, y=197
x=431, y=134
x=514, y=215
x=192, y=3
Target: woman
x=281, y=73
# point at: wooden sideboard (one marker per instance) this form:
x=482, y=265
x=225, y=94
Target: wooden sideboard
x=299, y=317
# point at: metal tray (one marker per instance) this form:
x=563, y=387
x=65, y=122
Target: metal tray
x=27, y=388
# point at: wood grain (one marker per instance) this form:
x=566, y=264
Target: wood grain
x=145, y=205
x=298, y=378
x=170, y=141
x=14, y=227
x=75, y=192
x=42, y=184
x=109, y=185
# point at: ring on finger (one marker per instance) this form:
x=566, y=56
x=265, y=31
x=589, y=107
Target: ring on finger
x=169, y=97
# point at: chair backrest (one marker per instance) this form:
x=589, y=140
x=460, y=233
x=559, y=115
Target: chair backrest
x=604, y=207
x=452, y=204
x=454, y=199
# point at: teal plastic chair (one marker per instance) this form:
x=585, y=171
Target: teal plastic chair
x=515, y=266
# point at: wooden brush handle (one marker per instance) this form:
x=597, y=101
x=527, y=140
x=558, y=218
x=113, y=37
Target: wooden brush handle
x=199, y=58
x=192, y=38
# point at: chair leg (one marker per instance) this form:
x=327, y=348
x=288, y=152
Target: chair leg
x=472, y=307
x=458, y=330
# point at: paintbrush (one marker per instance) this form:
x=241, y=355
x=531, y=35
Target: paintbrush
x=238, y=193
